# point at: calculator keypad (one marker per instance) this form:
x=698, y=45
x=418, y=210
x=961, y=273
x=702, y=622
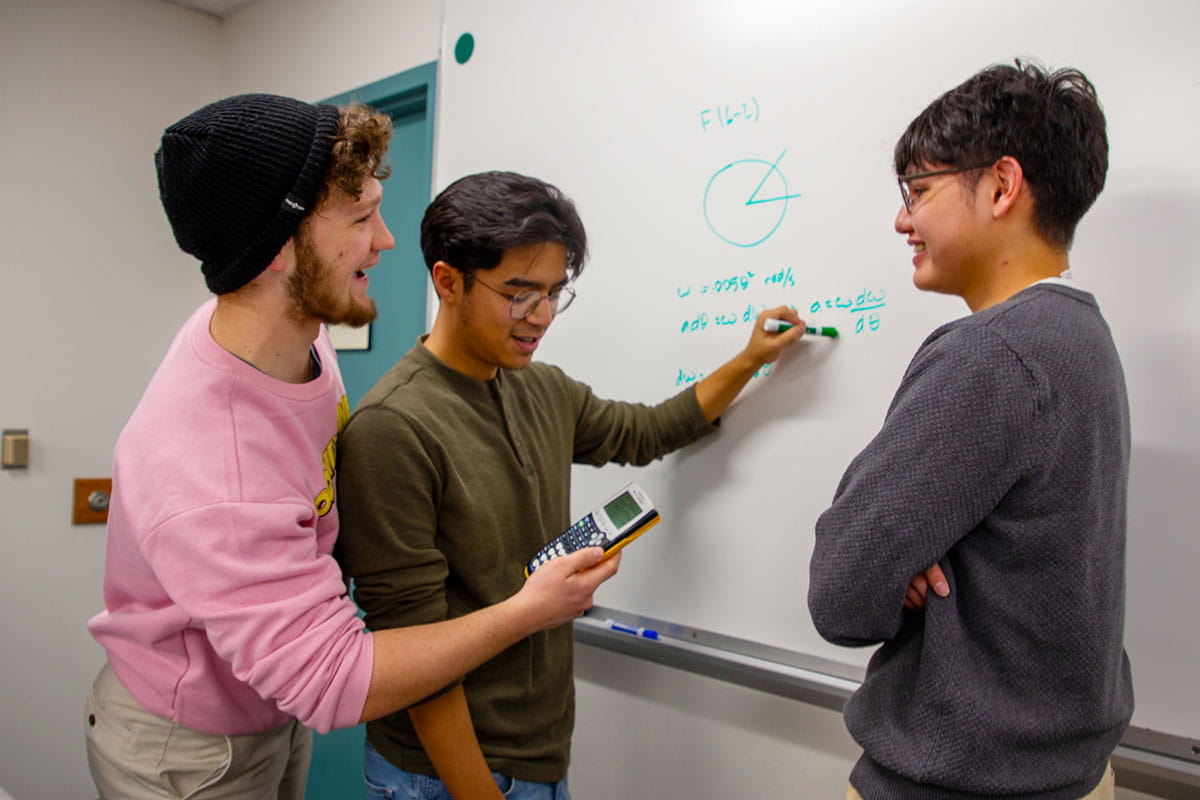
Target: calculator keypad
x=584, y=533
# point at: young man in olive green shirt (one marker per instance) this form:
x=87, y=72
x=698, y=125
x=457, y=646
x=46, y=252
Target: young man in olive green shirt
x=456, y=468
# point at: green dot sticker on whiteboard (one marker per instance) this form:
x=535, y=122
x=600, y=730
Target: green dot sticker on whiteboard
x=464, y=47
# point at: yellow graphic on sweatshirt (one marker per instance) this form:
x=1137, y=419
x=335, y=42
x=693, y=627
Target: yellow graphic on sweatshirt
x=324, y=500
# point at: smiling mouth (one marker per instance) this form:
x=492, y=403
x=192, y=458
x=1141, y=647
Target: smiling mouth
x=919, y=247
x=526, y=344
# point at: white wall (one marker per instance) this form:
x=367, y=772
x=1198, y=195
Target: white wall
x=94, y=287
x=314, y=48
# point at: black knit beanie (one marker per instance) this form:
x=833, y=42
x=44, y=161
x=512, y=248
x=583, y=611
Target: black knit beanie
x=238, y=176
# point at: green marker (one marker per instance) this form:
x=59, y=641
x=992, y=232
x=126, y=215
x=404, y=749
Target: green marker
x=779, y=326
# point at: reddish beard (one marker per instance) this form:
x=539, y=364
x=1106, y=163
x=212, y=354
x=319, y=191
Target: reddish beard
x=314, y=294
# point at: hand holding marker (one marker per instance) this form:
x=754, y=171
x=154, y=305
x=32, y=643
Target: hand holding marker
x=779, y=326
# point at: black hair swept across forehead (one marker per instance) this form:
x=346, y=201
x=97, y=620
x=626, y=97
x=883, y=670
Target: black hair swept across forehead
x=1050, y=122
x=476, y=219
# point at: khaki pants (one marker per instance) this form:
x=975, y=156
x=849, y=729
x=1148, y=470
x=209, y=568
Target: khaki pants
x=136, y=755
x=1105, y=790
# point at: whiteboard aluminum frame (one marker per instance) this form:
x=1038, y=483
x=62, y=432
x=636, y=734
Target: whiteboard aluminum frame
x=1160, y=764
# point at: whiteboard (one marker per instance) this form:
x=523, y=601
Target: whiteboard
x=660, y=119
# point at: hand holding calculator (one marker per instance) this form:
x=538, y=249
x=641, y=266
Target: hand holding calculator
x=612, y=525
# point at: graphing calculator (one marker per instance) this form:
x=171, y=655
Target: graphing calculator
x=611, y=525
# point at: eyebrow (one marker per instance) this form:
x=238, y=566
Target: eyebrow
x=368, y=199
x=517, y=282
x=364, y=203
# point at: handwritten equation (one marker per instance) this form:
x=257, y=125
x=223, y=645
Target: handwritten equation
x=745, y=202
x=739, y=282
x=864, y=306
x=737, y=298
x=684, y=377
x=725, y=114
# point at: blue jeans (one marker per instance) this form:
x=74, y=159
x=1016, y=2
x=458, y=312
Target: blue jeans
x=388, y=782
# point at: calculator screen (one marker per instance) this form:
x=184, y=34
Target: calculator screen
x=622, y=509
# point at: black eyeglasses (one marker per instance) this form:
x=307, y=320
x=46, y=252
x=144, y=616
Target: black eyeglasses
x=522, y=304
x=904, y=179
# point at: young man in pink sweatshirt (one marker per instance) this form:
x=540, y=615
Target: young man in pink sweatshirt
x=226, y=622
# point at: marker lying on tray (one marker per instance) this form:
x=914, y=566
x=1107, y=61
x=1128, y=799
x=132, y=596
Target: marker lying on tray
x=632, y=630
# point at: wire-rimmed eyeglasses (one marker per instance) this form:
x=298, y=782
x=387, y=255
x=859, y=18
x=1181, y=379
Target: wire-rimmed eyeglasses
x=522, y=304
x=903, y=180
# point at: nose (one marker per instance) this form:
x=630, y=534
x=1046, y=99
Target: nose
x=383, y=237
x=542, y=314
x=903, y=223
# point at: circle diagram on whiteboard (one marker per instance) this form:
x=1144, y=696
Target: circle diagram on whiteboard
x=745, y=201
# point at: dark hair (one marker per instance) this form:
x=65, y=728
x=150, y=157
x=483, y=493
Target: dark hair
x=1049, y=122
x=476, y=219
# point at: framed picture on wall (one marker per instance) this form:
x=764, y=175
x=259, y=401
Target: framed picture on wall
x=346, y=338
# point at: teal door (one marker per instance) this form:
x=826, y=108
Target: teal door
x=399, y=285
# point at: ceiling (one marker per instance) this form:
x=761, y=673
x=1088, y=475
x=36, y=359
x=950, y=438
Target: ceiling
x=214, y=8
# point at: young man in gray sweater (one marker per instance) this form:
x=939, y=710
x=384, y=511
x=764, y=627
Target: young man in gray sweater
x=1002, y=462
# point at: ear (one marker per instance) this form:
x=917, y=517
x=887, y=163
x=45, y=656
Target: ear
x=285, y=256
x=1010, y=185
x=447, y=281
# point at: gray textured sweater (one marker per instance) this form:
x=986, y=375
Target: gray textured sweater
x=1004, y=458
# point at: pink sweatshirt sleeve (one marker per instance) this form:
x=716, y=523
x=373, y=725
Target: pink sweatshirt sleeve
x=271, y=605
